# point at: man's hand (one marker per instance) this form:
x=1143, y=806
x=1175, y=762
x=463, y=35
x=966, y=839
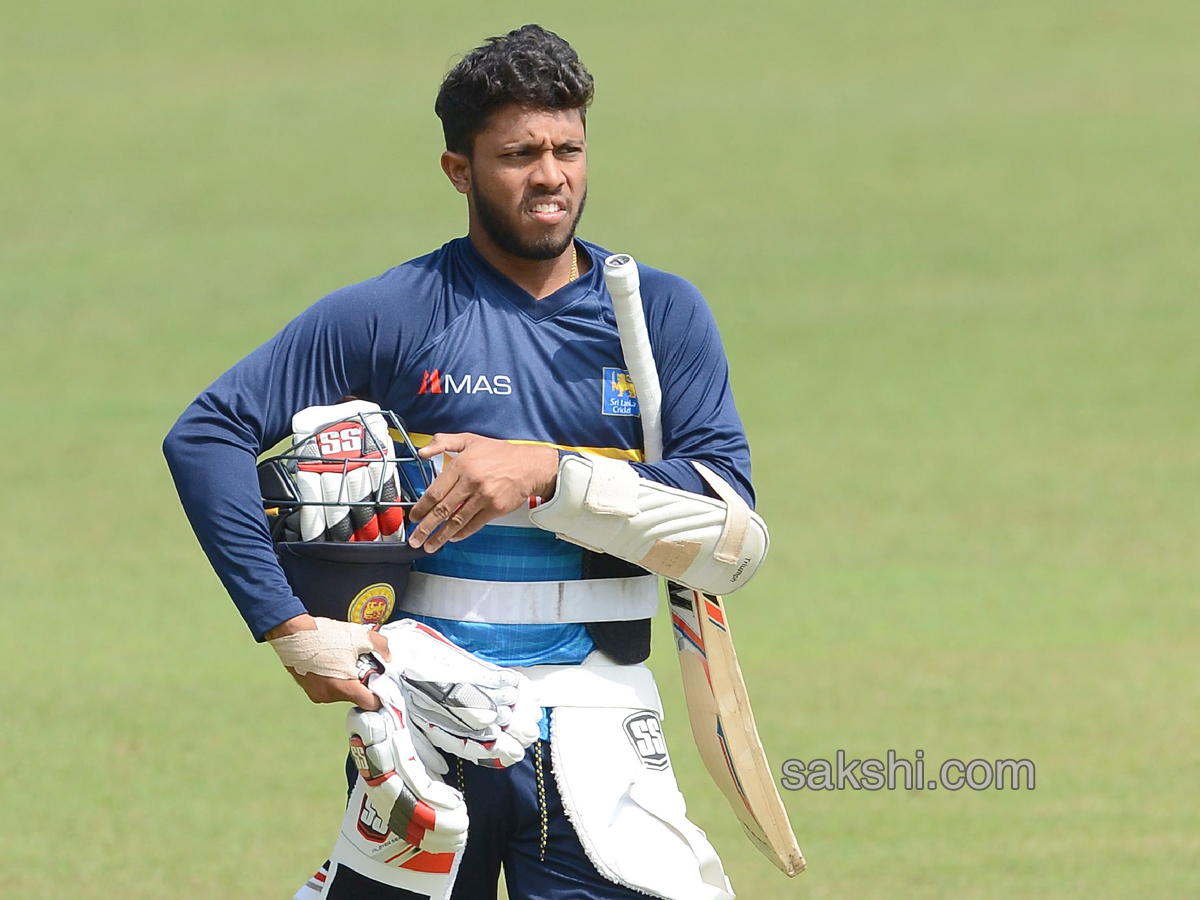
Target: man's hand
x=322, y=688
x=485, y=480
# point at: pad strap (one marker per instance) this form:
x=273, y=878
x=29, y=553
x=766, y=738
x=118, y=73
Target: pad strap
x=596, y=682
x=613, y=488
x=737, y=516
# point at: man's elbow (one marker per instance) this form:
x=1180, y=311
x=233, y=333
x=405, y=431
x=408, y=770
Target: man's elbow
x=175, y=444
x=172, y=444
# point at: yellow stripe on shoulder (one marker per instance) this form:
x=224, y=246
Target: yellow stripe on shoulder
x=422, y=440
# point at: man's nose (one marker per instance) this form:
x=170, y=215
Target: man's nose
x=548, y=173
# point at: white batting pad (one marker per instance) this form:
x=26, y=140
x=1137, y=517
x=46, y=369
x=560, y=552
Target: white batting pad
x=619, y=792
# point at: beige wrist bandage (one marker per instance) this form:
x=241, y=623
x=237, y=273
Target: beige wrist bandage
x=332, y=650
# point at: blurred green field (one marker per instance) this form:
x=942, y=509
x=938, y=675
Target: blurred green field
x=953, y=251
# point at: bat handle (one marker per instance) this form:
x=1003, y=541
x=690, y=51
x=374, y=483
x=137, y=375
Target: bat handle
x=621, y=278
x=621, y=275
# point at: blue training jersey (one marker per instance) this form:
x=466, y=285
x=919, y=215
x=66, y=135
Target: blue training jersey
x=451, y=345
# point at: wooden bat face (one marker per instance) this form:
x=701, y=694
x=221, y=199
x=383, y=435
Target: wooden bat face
x=723, y=725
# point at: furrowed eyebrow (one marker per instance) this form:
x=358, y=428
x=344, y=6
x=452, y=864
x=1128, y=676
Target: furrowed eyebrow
x=522, y=147
x=530, y=146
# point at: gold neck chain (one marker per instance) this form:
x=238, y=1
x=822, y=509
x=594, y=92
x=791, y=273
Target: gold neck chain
x=574, y=263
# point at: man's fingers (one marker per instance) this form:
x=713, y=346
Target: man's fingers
x=445, y=443
x=439, y=490
x=446, y=512
x=452, y=514
x=323, y=689
x=380, y=645
x=481, y=518
x=454, y=525
x=363, y=697
x=484, y=479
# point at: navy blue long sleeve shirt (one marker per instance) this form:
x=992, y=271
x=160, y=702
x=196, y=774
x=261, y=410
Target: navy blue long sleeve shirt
x=450, y=344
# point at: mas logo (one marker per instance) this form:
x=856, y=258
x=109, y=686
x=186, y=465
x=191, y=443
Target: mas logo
x=373, y=605
x=435, y=381
x=620, y=396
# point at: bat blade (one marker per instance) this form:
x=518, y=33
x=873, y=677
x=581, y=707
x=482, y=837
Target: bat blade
x=723, y=725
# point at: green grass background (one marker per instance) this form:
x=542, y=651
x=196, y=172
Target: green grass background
x=953, y=251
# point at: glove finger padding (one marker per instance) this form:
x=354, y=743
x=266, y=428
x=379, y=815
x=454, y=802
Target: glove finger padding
x=391, y=518
x=428, y=814
x=426, y=752
x=337, y=518
x=345, y=456
x=493, y=747
x=463, y=705
x=460, y=707
x=312, y=514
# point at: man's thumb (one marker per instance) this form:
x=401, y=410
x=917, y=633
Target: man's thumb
x=363, y=697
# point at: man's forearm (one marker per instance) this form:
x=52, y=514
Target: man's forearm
x=218, y=488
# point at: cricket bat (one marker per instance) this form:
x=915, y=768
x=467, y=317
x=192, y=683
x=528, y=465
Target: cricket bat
x=718, y=705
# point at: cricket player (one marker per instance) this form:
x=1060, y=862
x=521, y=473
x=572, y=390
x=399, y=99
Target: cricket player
x=499, y=351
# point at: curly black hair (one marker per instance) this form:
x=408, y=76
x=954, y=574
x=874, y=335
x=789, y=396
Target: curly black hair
x=530, y=66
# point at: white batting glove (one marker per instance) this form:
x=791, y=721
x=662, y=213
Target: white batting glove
x=423, y=811
x=472, y=709
x=344, y=462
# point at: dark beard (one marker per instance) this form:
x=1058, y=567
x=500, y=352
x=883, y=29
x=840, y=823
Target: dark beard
x=495, y=222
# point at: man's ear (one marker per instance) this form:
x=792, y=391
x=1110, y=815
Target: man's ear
x=458, y=169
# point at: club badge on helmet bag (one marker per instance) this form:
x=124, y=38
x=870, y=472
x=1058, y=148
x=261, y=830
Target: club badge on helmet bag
x=337, y=503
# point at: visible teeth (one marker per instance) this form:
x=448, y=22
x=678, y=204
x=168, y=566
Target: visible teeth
x=545, y=207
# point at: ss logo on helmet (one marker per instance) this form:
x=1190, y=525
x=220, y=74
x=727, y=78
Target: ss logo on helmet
x=645, y=733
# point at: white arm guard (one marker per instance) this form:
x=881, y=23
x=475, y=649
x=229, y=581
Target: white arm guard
x=708, y=545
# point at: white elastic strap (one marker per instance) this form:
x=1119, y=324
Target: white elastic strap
x=332, y=650
x=737, y=517
x=596, y=682
x=531, y=602
x=612, y=489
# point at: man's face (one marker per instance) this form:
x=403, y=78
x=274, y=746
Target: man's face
x=529, y=180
